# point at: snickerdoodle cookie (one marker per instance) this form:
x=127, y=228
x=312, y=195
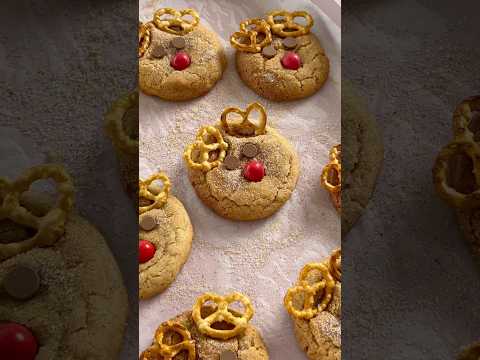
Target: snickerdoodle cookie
x=278, y=57
x=165, y=236
x=179, y=59
x=314, y=304
x=362, y=156
x=62, y=294
x=242, y=170
x=216, y=331
x=121, y=124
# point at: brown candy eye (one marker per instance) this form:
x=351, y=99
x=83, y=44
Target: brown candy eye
x=231, y=162
x=250, y=150
x=269, y=52
x=178, y=43
x=22, y=282
x=147, y=223
x=289, y=42
x=158, y=52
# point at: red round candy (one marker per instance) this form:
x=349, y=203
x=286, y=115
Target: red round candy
x=146, y=250
x=291, y=60
x=254, y=171
x=180, y=61
x=17, y=342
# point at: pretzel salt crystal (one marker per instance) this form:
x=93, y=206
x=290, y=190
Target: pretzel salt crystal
x=222, y=313
x=176, y=24
x=159, y=199
x=204, y=148
x=246, y=126
x=288, y=27
x=50, y=226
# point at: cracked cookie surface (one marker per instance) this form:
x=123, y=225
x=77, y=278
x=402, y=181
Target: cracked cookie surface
x=80, y=308
x=230, y=195
x=157, y=77
x=172, y=238
x=268, y=78
x=362, y=156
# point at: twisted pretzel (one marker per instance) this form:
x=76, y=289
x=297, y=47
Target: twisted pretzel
x=333, y=170
x=245, y=127
x=50, y=226
x=204, y=148
x=465, y=193
x=114, y=123
x=309, y=292
x=175, y=24
x=158, y=199
x=144, y=38
x=335, y=265
x=246, y=39
x=222, y=313
x=288, y=27
x=168, y=352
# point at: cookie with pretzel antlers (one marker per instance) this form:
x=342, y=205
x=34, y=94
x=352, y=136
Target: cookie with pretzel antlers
x=240, y=167
x=314, y=304
x=214, y=329
x=278, y=57
x=165, y=235
x=179, y=58
x=60, y=287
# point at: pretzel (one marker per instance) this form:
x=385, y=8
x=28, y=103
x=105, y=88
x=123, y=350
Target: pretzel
x=288, y=27
x=324, y=286
x=175, y=24
x=246, y=39
x=144, y=38
x=222, y=313
x=333, y=167
x=464, y=144
x=203, y=146
x=114, y=123
x=245, y=127
x=159, y=199
x=50, y=226
x=335, y=265
x=160, y=349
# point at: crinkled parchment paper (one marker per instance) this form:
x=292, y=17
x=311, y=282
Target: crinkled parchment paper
x=261, y=259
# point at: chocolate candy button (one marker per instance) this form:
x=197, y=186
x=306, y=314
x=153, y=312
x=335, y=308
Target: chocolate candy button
x=250, y=150
x=158, y=52
x=289, y=42
x=269, y=51
x=178, y=43
x=231, y=162
x=21, y=283
x=228, y=355
x=148, y=223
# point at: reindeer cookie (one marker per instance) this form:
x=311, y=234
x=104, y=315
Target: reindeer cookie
x=179, y=59
x=314, y=304
x=121, y=125
x=165, y=236
x=278, y=57
x=217, y=331
x=60, y=288
x=241, y=169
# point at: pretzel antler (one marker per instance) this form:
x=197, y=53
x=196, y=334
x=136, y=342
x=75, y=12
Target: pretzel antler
x=249, y=40
x=331, y=178
x=245, y=127
x=158, y=199
x=175, y=23
x=287, y=26
x=144, y=38
x=197, y=155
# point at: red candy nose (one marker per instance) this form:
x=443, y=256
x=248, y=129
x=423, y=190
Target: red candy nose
x=17, y=342
x=146, y=250
x=291, y=60
x=254, y=171
x=180, y=61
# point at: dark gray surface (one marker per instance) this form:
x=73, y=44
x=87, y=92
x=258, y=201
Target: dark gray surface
x=61, y=65
x=411, y=288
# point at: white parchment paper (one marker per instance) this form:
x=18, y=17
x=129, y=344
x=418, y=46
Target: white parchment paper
x=261, y=259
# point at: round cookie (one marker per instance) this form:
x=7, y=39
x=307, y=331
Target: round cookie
x=241, y=185
x=181, y=65
x=68, y=296
x=472, y=352
x=167, y=227
x=121, y=125
x=290, y=67
x=362, y=157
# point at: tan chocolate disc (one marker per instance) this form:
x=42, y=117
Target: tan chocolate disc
x=21, y=283
x=228, y=355
x=148, y=223
x=178, y=43
x=250, y=150
x=231, y=162
x=158, y=52
x=269, y=51
x=289, y=42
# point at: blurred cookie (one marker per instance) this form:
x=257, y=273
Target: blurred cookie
x=179, y=59
x=472, y=352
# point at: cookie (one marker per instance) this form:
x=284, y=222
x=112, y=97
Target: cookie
x=314, y=304
x=188, y=335
x=179, y=59
x=279, y=58
x=241, y=169
x=331, y=178
x=472, y=352
x=165, y=236
x=121, y=125
x=362, y=156
x=60, y=285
